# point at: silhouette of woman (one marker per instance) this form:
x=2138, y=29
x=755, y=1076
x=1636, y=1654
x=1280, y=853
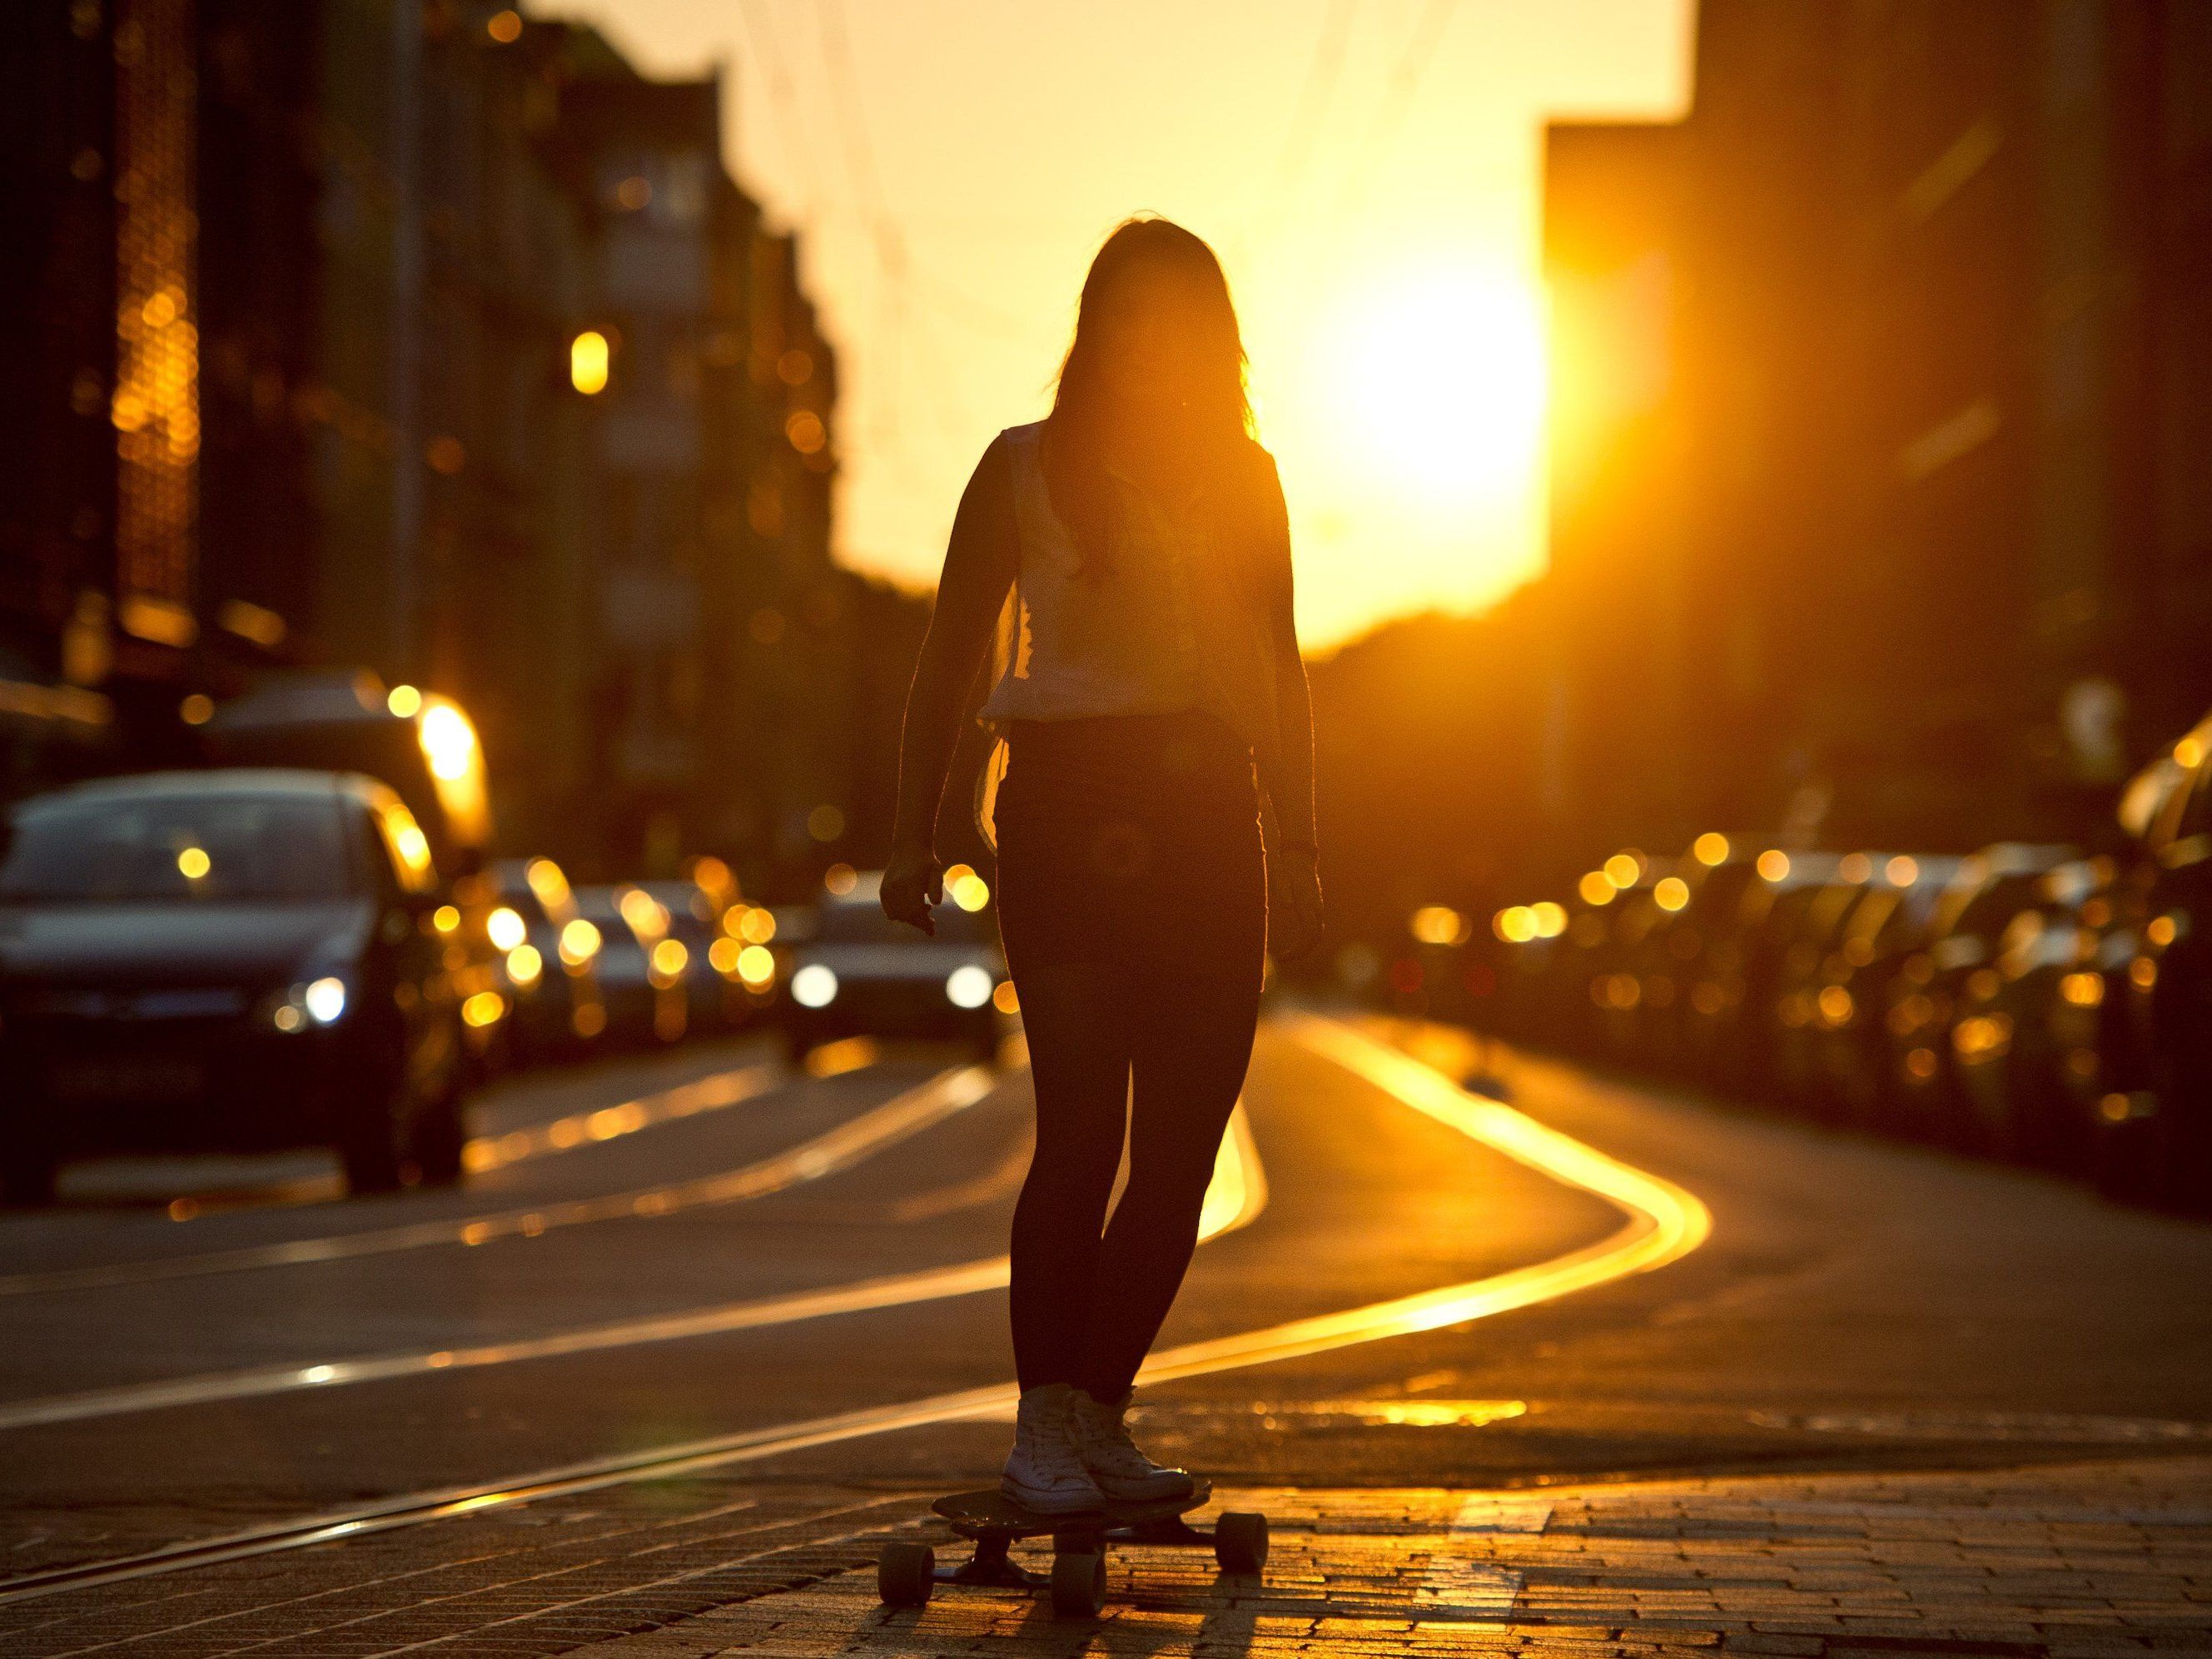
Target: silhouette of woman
x=1151, y=700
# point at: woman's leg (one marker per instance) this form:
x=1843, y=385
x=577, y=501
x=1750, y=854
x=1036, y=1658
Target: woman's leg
x=1075, y=1019
x=1190, y=1041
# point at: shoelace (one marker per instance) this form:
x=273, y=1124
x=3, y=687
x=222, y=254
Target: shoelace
x=1110, y=1437
x=1053, y=1457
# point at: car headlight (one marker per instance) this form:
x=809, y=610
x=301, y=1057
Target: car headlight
x=814, y=987
x=305, y=1006
x=325, y=999
x=968, y=987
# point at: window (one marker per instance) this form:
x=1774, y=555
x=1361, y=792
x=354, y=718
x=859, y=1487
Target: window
x=181, y=849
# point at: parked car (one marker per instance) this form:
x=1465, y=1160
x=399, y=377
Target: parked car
x=224, y=961
x=1625, y=990
x=1808, y=931
x=2163, y=899
x=860, y=974
x=419, y=744
x=1691, y=947
x=550, y=963
x=1857, y=982
x=1924, y=1000
x=1731, y=1038
x=714, y=994
x=643, y=972
x=2018, y=1045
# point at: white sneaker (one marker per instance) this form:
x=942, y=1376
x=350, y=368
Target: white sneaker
x=1043, y=1472
x=1102, y=1441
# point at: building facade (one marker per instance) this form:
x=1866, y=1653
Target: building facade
x=304, y=327
x=1878, y=375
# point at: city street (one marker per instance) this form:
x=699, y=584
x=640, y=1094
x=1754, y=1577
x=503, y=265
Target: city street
x=702, y=1332
x=650, y=648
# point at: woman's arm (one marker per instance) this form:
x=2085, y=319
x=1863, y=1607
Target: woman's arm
x=980, y=561
x=1294, y=805
x=1296, y=875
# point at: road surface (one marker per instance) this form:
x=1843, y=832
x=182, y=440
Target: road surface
x=702, y=1302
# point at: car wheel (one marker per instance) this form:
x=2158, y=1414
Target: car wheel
x=369, y=1140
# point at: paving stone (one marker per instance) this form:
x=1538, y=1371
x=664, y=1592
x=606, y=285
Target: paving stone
x=2086, y=1562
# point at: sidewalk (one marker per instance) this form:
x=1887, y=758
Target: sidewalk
x=2085, y=1559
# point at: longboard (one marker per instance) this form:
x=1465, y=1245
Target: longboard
x=907, y=1572
x=980, y=1514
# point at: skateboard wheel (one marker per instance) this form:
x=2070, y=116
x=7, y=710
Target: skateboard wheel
x=1079, y=1584
x=905, y=1574
x=1240, y=1541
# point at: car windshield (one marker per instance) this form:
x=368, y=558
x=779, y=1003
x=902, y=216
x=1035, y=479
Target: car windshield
x=183, y=848
x=856, y=923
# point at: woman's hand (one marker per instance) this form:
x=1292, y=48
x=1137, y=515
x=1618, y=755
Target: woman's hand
x=914, y=881
x=1297, y=881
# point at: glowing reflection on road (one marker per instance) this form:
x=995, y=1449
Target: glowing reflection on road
x=1665, y=1223
x=1238, y=1192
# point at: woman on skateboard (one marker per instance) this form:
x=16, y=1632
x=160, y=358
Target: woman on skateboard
x=1149, y=703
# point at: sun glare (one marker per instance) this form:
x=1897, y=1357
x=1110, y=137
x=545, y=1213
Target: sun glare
x=1435, y=380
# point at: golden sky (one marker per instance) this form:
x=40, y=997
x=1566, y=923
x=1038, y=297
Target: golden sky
x=1367, y=170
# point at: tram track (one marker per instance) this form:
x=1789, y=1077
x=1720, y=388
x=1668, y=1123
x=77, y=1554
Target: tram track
x=1234, y=1199
x=1662, y=1222
x=905, y=1114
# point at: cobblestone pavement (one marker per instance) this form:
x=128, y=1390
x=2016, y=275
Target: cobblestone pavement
x=2077, y=1562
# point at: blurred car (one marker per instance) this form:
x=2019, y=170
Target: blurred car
x=419, y=744
x=1855, y=984
x=1689, y=946
x=2104, y=1071
x=2019, y=1048
x=1808, y=931
x=2161, y=1130
x=859, y=974
x=1923, y=1002
x=548, y=957
x=696, y=912
x=643, y=971
x=738, y=935
x=1436, y=978
x=1539, y=987
x=229, y=961
x=1729, y=1039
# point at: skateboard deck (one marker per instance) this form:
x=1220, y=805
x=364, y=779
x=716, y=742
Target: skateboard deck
x=907, y=1571
x=991, y=1512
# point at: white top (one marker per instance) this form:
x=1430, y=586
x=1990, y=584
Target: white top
x=1120, y=641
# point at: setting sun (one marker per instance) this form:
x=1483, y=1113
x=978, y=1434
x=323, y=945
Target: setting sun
x=1435, y=380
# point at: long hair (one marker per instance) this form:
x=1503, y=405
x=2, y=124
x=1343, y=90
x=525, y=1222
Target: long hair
x=1203, y=417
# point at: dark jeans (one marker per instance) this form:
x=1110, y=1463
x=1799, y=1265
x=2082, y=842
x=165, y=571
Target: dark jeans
x=1132, y=898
